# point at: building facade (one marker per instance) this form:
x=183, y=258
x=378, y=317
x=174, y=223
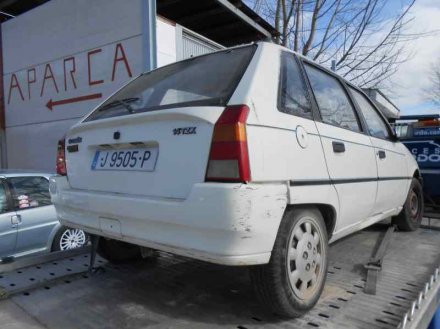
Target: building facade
x=64, y=57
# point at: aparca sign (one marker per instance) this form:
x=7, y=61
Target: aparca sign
x=77, y=80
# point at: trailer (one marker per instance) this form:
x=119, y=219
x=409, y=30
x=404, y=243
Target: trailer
x=59, y=290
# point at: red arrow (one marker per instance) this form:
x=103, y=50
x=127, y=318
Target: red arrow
x=50, y=104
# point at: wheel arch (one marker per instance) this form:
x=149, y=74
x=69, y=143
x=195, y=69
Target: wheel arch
x=417, y=175
x=52, y=235
x=327, y=211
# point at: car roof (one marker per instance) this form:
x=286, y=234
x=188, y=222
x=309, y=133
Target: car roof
x=18, y=173
x=311, y=61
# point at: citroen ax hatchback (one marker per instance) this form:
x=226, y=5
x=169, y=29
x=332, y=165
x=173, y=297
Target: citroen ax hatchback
x=249, y=156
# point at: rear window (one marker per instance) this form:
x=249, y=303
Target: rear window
x=207, y=80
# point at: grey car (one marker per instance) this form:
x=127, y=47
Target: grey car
x=28, y=221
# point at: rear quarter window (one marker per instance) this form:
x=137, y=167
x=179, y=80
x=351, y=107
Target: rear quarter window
x=293, y=97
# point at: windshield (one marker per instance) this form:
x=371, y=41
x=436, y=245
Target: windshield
x=207, y=80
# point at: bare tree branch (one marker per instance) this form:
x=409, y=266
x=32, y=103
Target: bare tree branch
x=366, y=40
x=297, y=24
x=328, y=29
x=433, y=91
x=312, y=27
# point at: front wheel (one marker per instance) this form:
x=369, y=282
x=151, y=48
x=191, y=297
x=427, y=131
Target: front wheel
x=69, y=238
x=411, y=215
x=292, y=282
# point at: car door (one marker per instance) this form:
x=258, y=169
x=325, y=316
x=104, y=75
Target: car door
x=8, y=224
x=390, y=157
x=35, y=211
x=348, y=150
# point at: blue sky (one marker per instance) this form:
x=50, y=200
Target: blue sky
x=412, y=78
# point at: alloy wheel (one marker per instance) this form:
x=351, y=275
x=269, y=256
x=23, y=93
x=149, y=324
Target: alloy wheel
x=72, y=238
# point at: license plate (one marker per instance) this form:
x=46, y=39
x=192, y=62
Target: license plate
x=143, y=159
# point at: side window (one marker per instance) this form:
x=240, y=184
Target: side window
x=3, y=199
x=293, y=98
x=376, y=126
x=333, y=102
x=30, y=192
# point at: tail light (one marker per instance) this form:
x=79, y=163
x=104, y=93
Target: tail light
x=228, y=157
x=61, y=158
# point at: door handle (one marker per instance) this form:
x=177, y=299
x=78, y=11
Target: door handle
x=15, y=220
x=338, y=147
x=382, y=154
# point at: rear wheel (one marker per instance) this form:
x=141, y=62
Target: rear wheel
x=291, y=283
x=117, y=251
x=411, y=215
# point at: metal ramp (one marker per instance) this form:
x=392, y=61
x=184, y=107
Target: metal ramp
x=176, y=292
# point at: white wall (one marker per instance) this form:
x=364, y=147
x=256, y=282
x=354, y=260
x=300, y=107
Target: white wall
x=34, y=146
x=166, y=42
x=61, y=60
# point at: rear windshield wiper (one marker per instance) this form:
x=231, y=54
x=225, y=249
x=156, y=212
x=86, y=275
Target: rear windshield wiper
x=124, y=102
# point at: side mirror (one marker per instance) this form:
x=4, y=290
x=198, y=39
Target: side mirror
x=394, y=136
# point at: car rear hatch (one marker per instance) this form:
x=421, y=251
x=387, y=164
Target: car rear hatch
x=152, y=138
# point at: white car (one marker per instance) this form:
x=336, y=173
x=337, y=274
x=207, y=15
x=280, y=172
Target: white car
x=249, y=156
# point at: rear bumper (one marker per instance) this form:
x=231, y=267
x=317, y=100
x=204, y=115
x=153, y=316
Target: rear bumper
x=230, y=224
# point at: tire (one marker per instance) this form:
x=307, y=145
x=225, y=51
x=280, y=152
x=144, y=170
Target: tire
x=117, y=251
x=69, y=238
x=276, y=286
x=411, y=215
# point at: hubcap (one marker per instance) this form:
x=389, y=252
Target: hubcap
x=414, y=204
x=304, y=258
x=72, y=238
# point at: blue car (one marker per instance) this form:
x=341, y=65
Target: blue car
x=28, y=221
